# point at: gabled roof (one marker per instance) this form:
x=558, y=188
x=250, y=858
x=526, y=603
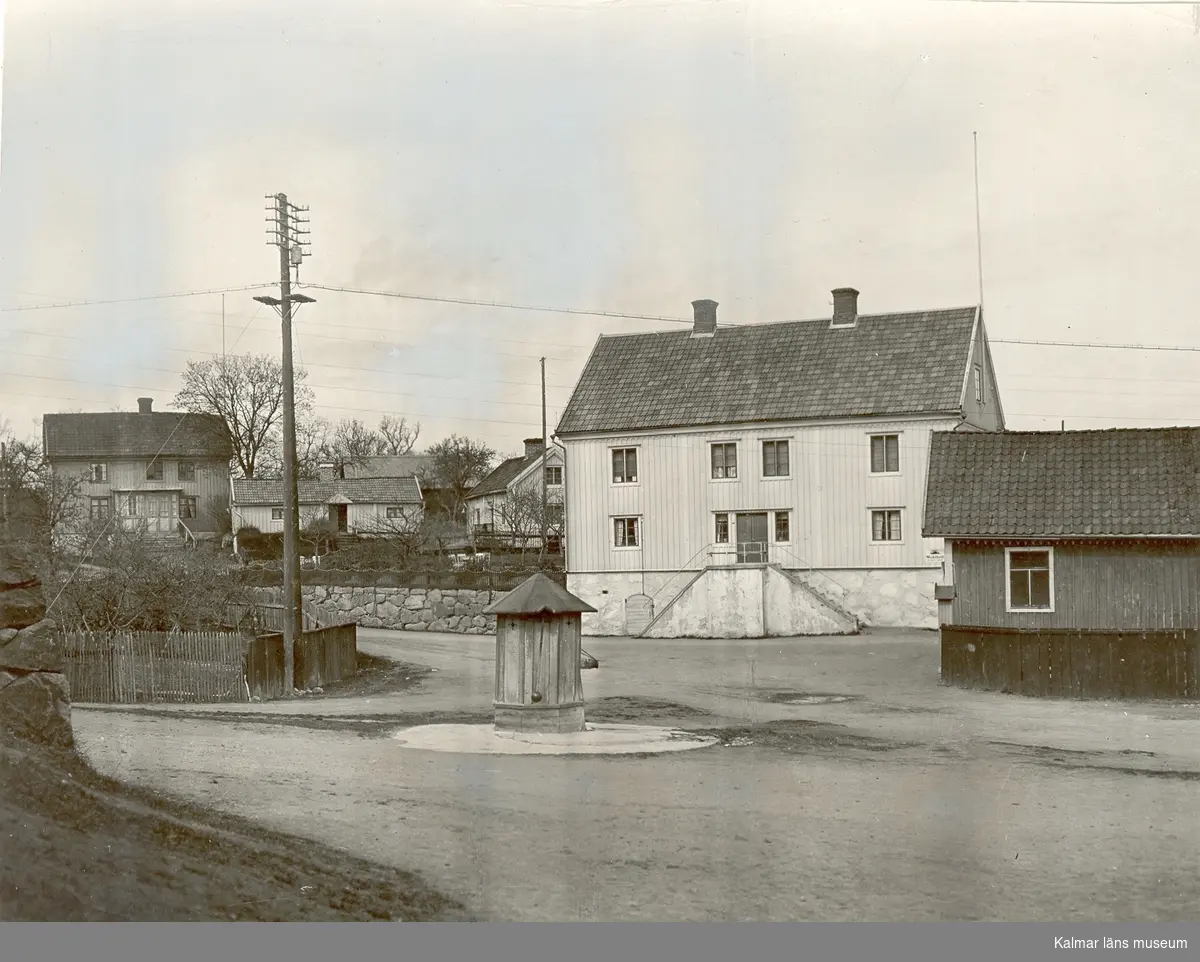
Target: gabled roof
x=269, y=491
x=886, y=364
x=506, y=473
x=1112, y=483
x=116, y=435
x=537, y=595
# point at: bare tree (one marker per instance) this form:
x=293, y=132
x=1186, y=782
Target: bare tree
x=459, y=464
x=398, y=436
x=521, y=515
x=350, y=443
x=312, y=437
x=246, y=391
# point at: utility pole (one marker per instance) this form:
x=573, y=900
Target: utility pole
x=545, y=448
x=285, y=234
x=4, y=484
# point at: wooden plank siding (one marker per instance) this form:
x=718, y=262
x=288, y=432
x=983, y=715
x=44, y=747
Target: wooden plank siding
x=1117, y=586
x=830, y=493
x=212, y=482
x=1073, y=663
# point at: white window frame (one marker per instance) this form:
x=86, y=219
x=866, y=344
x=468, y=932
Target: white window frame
x=728, y=516
x=903, y=525
x=637, y=520
x=93, y=515
x=898, y=435
x=162, y=469
x=637, y=478
x=737, y=460
x=398, y=509
x=762, y=452
x=788, y=514
x=191, y=500
x=979, y=385
x=1008, y=605
x=277, y=517
x=558, y=468
x=103, y=472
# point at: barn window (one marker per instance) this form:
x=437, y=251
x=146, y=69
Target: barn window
x=1030, y=579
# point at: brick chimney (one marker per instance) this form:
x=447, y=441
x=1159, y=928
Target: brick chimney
x=704, y=313
x=144, y=405
x=845, y=307
x=326, y=471
x=533, y=447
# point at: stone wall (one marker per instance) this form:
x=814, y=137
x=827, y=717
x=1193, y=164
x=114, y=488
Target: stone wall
x=408, y=609
x=35, y=699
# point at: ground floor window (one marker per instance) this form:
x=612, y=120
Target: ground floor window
x=783, y=531
x=277, y=514
x=626, y=533
x=394, y=512
x=187, y=507
x=1030, y=579
x=722, y=532
x=885, y=525
x=100, y=508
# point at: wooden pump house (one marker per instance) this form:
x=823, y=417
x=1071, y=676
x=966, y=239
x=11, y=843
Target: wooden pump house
x=538, y=658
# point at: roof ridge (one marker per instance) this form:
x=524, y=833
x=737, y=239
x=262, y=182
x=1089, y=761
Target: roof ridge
x=799, y=320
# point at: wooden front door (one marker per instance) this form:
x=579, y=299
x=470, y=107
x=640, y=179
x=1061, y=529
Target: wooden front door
x=338, y=517
x=752, y=538
x=159, y=511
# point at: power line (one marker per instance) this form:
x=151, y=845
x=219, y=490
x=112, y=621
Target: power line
x=131, y=300
x=1108, y=347
x=500, y=304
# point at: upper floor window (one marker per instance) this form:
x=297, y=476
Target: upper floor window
x=724, y=461
x=553, y=476
x=98, y=473
x=776, y=459
x=154, y=471
x=187, y=470
x=626, y=533
x=978, y=384
x=885, y=453
x=624, y=465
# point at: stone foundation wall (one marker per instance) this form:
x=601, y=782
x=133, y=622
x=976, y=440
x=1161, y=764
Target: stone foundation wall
x=879, y=597
x=408, y=609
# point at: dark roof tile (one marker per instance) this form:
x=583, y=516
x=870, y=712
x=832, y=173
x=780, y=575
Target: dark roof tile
x=118, y=435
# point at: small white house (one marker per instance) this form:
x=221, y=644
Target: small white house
x=507, y=504
x=361, y=506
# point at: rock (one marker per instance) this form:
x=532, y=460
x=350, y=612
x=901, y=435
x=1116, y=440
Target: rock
x=21, y=607
x=435, y=594
x=37, y=707
x=388, y=610
x=35, y=648
x=439, y=610
x=479, y=621
x=438, y=625
x=414, y=602
x=17, y=569
x=461, y=609
x=7, y=635
x=7, y=678
x=417, y=626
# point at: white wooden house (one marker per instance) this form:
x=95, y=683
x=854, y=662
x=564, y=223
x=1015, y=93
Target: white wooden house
x=506, y=505
x=360, y=506
x=165, y=472
x=767, y=479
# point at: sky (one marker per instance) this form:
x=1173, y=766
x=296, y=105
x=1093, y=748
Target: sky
x=624, y=156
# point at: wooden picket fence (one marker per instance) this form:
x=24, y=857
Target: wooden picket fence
x=138, y=667
x=199, y=667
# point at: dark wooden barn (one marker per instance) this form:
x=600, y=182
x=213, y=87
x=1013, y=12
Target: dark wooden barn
x=1072, y=561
